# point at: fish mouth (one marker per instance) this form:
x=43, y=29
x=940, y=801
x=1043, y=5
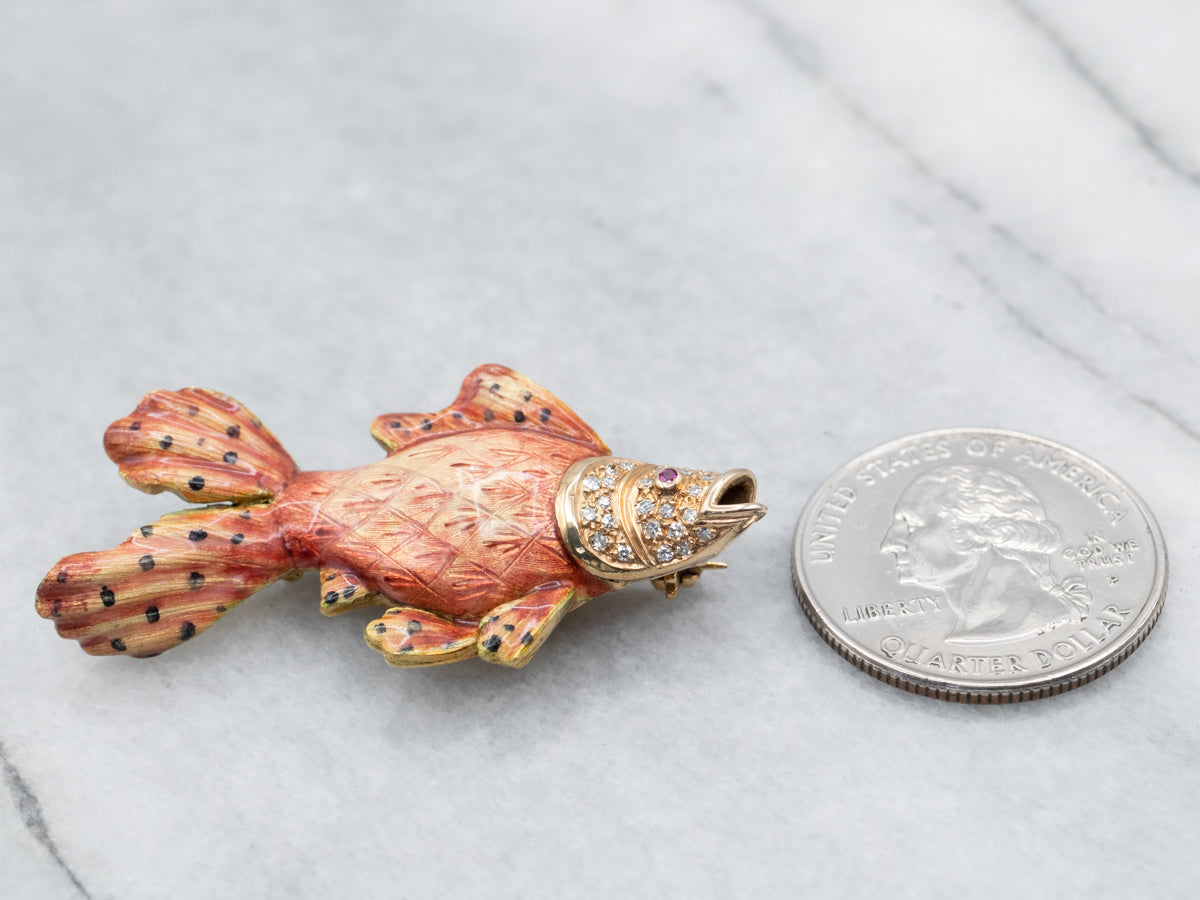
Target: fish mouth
x=731, y=502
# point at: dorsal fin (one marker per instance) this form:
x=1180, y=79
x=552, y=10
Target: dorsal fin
x=491, y=397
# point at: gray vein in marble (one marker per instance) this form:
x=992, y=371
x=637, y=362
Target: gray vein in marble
x=719, y=93
x=1145, y=134
x=800, y=54
x=1170, y=416
x=989, y=286
x=992, y=289
x=797, y=52
x=1085, y=293
x=30, y=811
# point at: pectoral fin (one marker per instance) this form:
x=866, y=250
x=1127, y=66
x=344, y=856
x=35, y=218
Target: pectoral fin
x=512, y=632
x=342, y=591
x=413, y=637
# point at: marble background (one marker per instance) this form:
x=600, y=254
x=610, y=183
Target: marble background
x=728, y=233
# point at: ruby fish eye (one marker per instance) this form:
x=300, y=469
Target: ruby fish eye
x=667, y=477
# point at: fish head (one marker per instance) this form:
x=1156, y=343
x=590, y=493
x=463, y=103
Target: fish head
x=626, y=520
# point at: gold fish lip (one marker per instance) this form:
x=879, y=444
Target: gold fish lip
x=731, y=500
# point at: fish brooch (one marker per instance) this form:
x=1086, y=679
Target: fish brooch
x=485, y=523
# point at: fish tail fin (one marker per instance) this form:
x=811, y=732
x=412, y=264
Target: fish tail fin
x=165, y=584
x=201, y=445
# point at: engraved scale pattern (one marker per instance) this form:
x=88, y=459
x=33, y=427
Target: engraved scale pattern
x=410, y=526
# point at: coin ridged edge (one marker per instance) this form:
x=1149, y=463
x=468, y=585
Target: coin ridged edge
x=976, y=697
x=998, y=695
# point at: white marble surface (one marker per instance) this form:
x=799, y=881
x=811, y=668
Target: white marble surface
x=727, y=233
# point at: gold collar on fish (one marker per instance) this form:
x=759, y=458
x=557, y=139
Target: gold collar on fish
x=625, y=520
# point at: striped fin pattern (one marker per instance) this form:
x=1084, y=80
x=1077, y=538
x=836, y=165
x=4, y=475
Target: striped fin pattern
x=491, y=397
x=201, y=445
x=167, y=583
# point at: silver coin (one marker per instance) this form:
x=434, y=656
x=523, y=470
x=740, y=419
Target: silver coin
x=979, y=565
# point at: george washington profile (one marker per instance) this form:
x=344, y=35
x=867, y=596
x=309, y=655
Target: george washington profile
x=981, y=537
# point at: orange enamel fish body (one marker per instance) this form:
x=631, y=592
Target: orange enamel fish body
x=482, y=527
x=454, y=524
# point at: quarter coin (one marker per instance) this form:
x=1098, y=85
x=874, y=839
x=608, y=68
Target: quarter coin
x=979, y=566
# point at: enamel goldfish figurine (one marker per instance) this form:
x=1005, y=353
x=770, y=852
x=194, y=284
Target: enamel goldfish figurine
x=483, y=526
